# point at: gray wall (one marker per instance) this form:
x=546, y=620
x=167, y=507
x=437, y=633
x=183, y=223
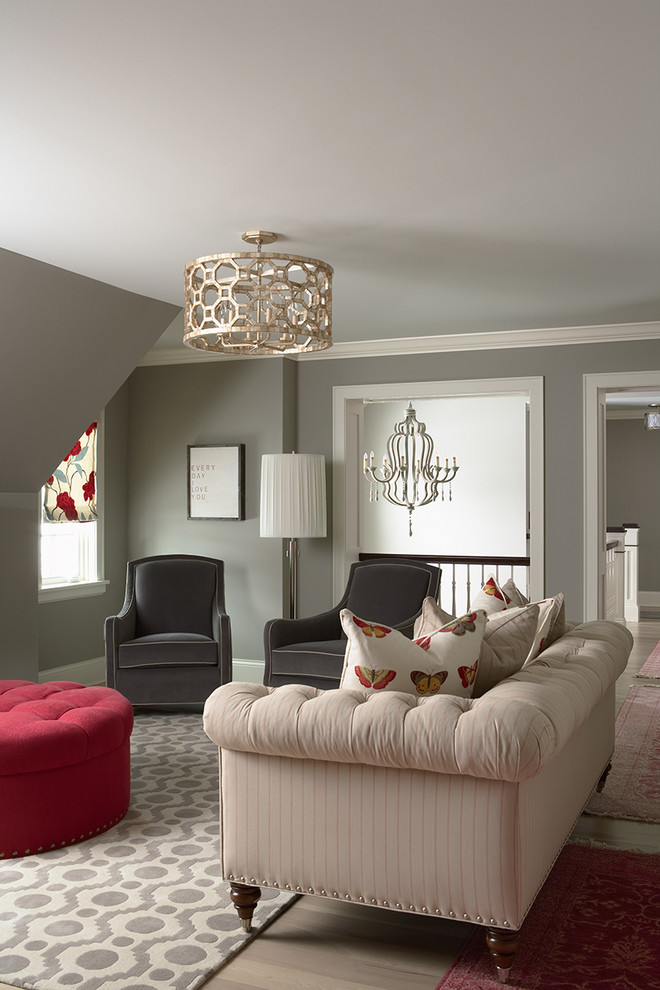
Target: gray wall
x=563, y=369
x=633, y=490
x=277, y=404
x=67, y=343
x=250, y=402
x=18, y=587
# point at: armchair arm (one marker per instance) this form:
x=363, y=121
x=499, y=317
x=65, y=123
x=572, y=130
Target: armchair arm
x=313, y=628
x=118, y=629
x=222, y=626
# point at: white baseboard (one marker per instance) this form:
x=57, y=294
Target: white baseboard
x=649, y=598
x=248, y=670
x=87, y=672
x=91, y=672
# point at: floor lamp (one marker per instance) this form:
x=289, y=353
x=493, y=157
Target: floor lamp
x=293, y=504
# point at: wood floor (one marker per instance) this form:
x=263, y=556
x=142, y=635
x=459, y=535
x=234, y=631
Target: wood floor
x=323, y=945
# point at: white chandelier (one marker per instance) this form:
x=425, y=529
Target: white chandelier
x=254, y=303
x=408, y=477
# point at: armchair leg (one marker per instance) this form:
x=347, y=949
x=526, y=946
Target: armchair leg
x=244, y=897
x=503, y=945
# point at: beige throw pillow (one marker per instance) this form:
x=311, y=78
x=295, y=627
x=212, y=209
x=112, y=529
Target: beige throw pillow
x=514, y=594
x=382, y=659
x=508, y=640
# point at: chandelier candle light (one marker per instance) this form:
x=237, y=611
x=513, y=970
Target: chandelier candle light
x=254, y=303
x=408, y=476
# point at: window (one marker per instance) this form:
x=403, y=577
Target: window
x=69, y=519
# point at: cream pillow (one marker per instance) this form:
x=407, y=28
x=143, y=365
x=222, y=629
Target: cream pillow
x=491, y=598
x=382, y=659
x=508, y=640
x=514, y=594
x=431, y=617
x=551, y=616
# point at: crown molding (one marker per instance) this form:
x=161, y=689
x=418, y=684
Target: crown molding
x=440, y=343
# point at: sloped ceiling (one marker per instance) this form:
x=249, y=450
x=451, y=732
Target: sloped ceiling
x=465, y=165
x=67, y=343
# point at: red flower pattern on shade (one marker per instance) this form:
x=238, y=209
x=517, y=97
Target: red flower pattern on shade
x=90, y=429
x=68, y=506
x=51, y=479
x=88, y=488
x=74, y=450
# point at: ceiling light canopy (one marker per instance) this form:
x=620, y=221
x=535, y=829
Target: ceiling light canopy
x=256, y=303
x=652, y=417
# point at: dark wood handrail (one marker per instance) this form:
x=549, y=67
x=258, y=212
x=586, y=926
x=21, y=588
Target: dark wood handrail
x=433, y=558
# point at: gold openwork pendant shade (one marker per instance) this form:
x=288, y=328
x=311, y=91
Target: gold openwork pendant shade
x=256, y=303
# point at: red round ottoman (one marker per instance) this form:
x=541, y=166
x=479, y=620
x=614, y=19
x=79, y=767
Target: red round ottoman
x=64, y=764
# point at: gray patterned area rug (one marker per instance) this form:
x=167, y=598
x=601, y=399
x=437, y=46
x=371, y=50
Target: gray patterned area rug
x=141, y=906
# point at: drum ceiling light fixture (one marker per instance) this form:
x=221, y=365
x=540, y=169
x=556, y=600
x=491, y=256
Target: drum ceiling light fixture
x=257, y=303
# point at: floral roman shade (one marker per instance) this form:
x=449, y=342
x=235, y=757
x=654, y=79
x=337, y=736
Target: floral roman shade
x=69, y=495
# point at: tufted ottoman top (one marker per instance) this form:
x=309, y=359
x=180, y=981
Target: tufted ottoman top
x=58, y=723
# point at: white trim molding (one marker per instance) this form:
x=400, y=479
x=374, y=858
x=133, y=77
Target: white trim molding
x=87, y=672
x=595, y=388
x=431, y=344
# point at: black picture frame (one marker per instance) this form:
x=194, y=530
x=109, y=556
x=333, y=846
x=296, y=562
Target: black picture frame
x=216, y=481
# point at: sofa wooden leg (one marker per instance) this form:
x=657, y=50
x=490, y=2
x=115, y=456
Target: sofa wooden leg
x=603, y=777
x=244, y=897
x=503, y=945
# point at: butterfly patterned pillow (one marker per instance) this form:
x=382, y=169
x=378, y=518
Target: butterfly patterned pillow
x=491, y=598
x=382, y=659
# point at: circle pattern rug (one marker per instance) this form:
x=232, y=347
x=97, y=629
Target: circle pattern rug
x=141, y=906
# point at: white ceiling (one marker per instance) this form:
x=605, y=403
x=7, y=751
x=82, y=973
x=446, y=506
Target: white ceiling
x=464, y=165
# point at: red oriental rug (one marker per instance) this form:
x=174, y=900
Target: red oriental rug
x=632, y=788
x=594, y=926
x=651, y=667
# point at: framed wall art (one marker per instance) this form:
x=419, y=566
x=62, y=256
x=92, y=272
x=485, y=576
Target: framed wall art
x=216, y=481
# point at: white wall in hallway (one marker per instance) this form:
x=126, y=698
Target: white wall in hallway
x=488, y=512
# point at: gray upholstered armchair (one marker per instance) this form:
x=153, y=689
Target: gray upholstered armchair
x=311, y=651
x=171, y=641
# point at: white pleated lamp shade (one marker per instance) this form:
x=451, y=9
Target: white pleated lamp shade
x=293, y=502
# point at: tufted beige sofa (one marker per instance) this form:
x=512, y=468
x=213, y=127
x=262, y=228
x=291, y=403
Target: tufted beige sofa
x=446, y=806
